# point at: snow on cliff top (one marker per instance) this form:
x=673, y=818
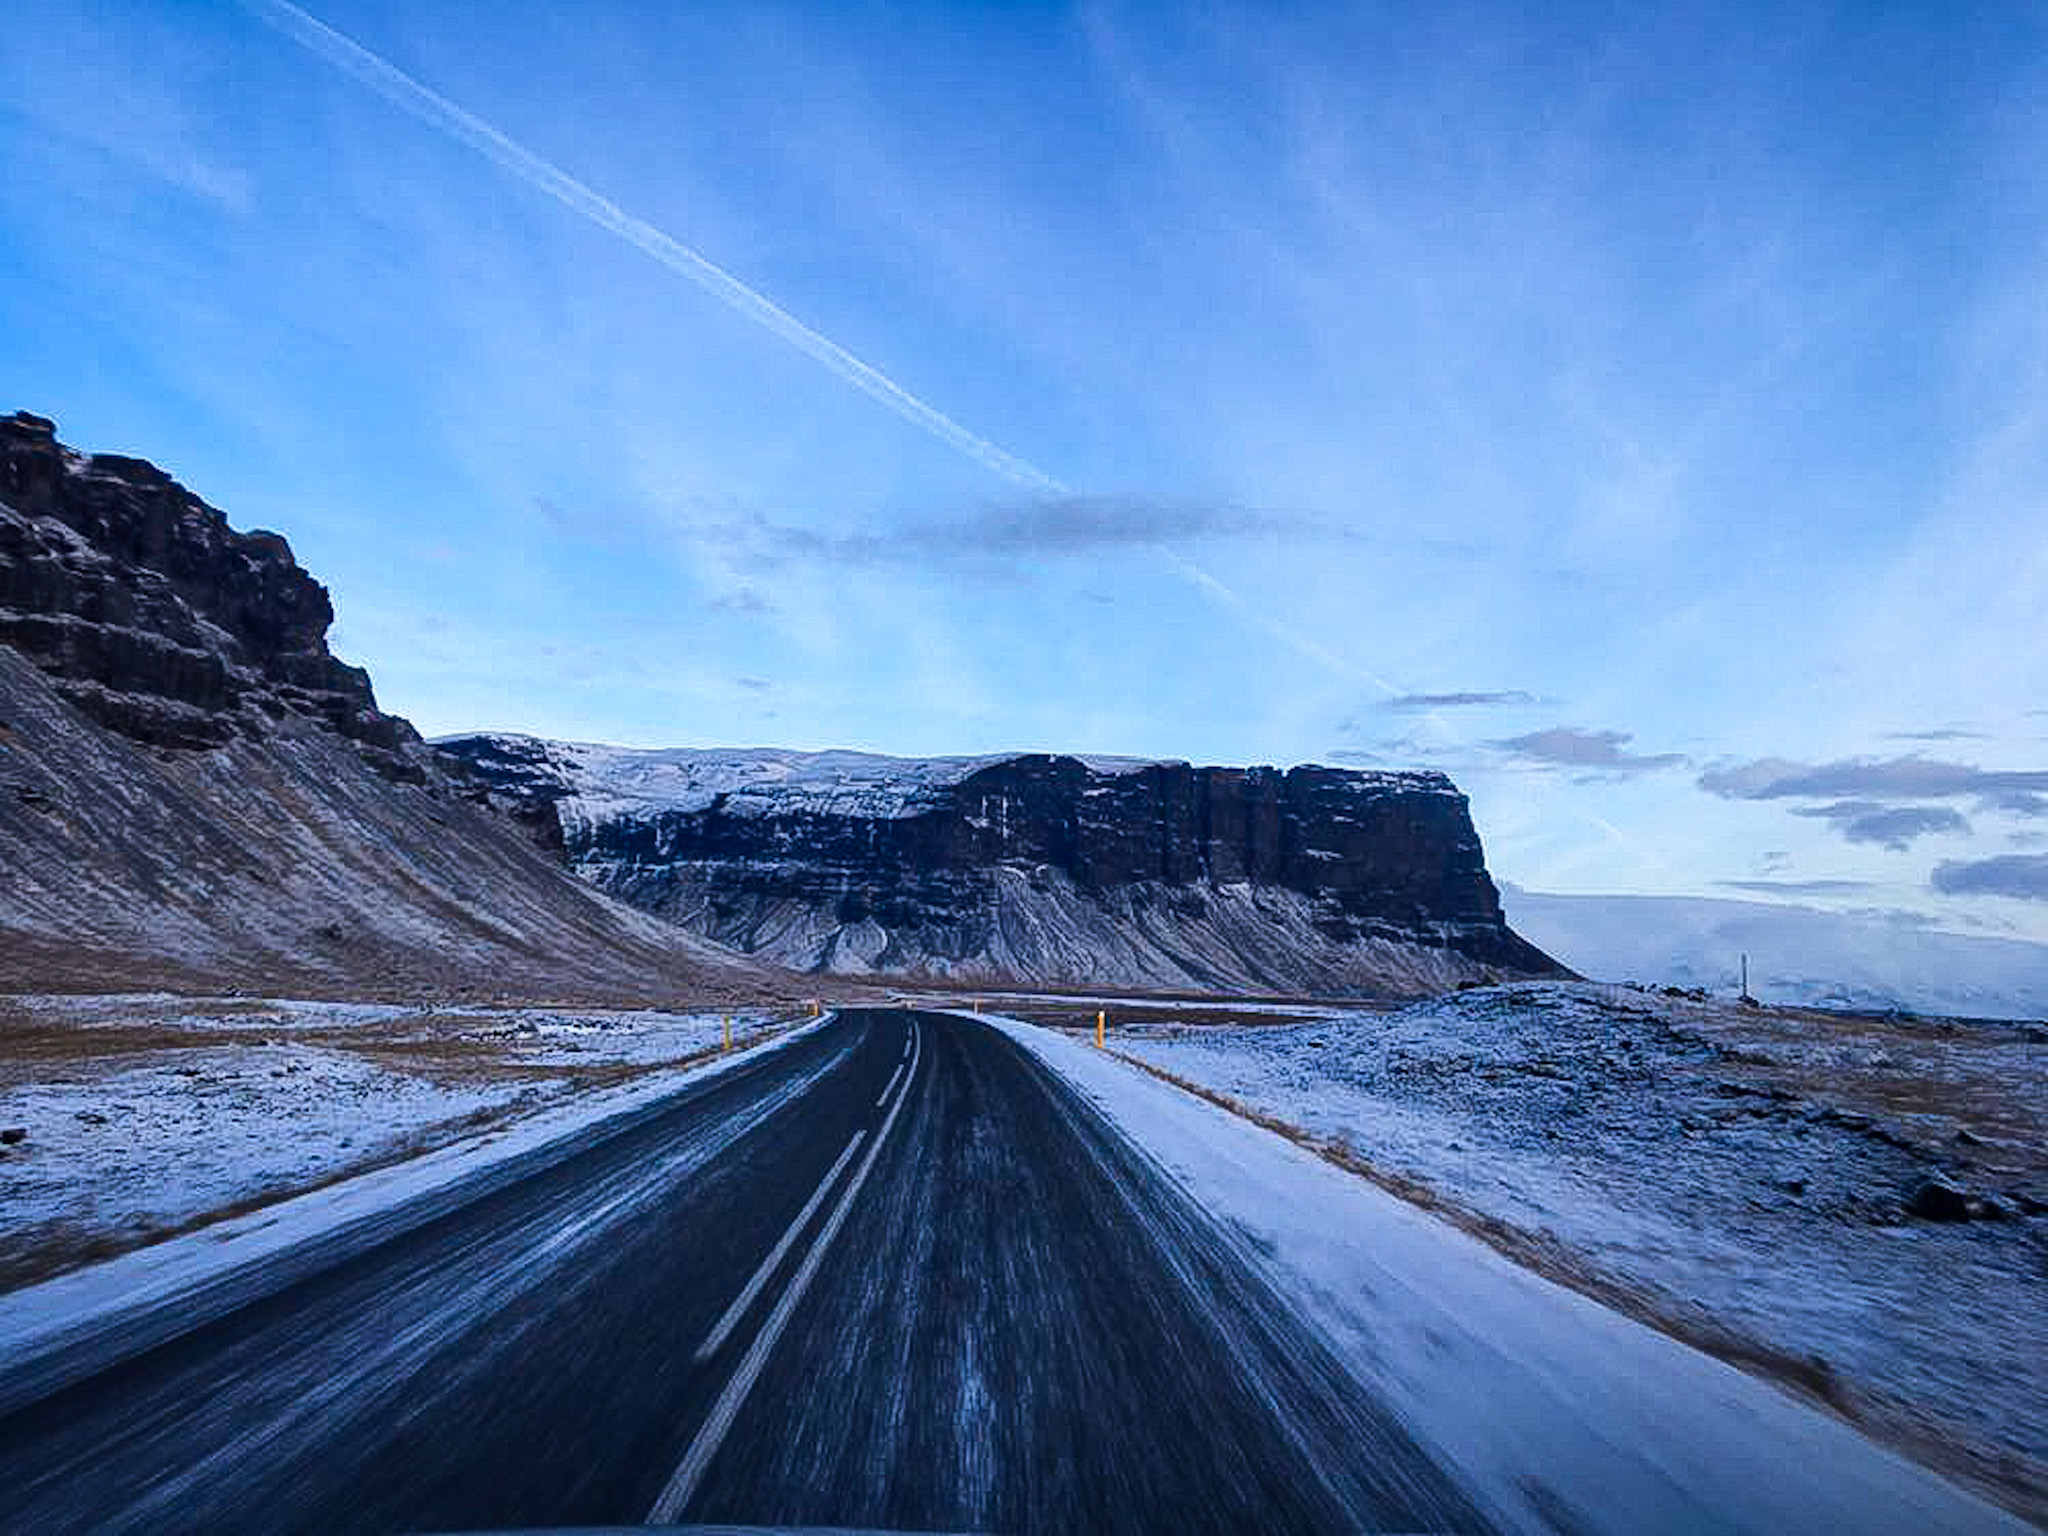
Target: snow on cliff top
x=604, y=783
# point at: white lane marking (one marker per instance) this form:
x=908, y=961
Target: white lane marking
x=697, y=1459
x=718, y=1335
x=891, y=1088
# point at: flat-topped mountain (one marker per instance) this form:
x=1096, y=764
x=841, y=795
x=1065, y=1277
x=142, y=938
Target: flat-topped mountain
x=1031, y=868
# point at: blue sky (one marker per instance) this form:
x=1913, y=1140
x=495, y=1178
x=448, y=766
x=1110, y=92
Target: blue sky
x=1639, y=412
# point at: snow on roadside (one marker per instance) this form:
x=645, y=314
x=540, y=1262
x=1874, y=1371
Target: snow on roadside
x=40, y=1319
x=1566, y=1414
x=1742, y=1175
x=123, y=1153
x=143, y=1115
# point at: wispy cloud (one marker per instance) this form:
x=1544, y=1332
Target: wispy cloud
x=1895, y=827
x=463, y=126
x=1796, y=887
x=1564, y=746
x=1420, y=703
x=1893, y=778
x=742, y=600
x=61, y=78
x=1944, y=733
x=2023, y=876
x=1046, y=528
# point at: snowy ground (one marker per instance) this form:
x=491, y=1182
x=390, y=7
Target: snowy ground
x=1564, y=1415
x=143, y=1116
x=1739, y=1176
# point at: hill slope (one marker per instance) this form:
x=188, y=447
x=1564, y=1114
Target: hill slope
x=195, y=793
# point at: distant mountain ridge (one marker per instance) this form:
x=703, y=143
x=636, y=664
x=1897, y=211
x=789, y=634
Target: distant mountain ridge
x=1030, y=868
x=1796, y=954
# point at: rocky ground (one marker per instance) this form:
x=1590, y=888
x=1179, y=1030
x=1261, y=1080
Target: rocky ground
x=1856, y=1207
x=123, y=1119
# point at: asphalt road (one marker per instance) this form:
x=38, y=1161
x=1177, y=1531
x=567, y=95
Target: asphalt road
x=894, y=1275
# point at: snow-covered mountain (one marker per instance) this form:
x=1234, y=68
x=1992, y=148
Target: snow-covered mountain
x=1028, y=867
x=1796, y=954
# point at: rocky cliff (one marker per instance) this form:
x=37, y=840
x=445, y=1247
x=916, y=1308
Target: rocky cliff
x=1032, y=868
x=195, y=793
x=153, y=616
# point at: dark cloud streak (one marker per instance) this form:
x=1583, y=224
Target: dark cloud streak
x=1563, y=746
x=1888, y=826
x=1890, y=778
x=1045, y=528
x=1415, y=703
x=2022, y=876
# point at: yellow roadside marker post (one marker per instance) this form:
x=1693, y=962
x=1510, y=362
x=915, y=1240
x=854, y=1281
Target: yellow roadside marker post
x=816, y=1008
x=1101, y=1025
x=728, y=1034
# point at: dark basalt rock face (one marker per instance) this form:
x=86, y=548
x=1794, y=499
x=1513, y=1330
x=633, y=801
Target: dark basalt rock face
x=157, y=619
x=195, y=794
x=1042, y=868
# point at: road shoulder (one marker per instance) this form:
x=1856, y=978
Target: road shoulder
x=1559, y=1409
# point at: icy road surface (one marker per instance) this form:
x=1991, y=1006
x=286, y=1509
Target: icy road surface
x=913, y=1271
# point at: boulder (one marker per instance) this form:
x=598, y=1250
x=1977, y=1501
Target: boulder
x=1937, y=1199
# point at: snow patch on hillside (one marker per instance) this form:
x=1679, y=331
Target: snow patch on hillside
x=143, y=1114
x=604, y=783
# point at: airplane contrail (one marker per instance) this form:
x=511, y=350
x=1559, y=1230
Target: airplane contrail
x=438, y=112
x=1229, y=598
